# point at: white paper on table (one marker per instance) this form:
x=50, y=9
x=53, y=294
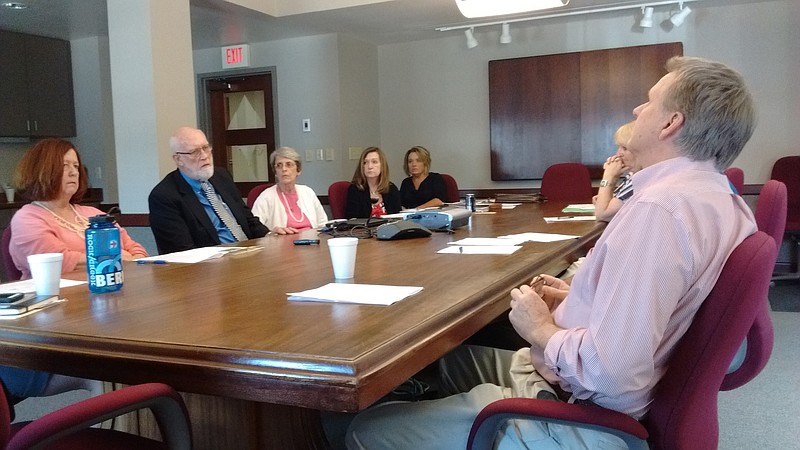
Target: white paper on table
x=509, y=205
x=479, y=249
x=541, y=237
x=28, y=286
x=196, y=255
x=487, y=242
x=569, y=219
x=365, y=294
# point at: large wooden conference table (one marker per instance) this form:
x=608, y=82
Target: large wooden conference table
x=256, y=368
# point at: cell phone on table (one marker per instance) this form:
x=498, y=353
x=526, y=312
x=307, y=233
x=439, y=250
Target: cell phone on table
x=10, y=297
x=306, y=241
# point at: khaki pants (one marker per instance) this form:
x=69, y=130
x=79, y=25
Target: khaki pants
x=476, y=376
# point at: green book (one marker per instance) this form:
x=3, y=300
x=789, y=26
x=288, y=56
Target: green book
x=579, y=208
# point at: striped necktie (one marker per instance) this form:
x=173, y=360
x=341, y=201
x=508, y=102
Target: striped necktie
x=222, y=211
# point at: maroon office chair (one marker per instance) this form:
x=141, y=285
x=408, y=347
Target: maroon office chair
x=771, y=210
x=771, y=219
x=12, y=272
x=683, y=415
x=253, y=194
x=452, y=189
x=787, y=171
x=337, y=198
x=69, y=428
x=736, y=177
x=567, y=182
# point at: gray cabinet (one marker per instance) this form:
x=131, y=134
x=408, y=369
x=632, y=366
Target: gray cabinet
x=35, y=86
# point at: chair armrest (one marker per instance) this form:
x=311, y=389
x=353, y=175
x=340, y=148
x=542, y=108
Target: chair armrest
x=165, y=403
x=491, y=418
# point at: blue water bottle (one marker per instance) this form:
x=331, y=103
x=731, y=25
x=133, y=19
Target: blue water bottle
x=103, y=255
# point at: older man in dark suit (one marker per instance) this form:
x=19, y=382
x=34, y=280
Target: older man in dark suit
x=198, y=205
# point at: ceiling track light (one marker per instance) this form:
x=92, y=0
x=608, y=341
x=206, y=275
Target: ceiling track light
x=680, y=16
x=505, y=34
x=471, y=41
x=647, y=17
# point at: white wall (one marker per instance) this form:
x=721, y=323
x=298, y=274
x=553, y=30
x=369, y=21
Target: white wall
x=435, y=93
x=761, y=41
x=332, y=82
x=94, y=125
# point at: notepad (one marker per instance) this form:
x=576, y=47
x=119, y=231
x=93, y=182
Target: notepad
x=365, y=294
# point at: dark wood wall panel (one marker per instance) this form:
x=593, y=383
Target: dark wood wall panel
x=566, y=107
x=527, y=97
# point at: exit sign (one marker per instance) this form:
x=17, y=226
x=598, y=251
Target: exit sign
x=236, y=56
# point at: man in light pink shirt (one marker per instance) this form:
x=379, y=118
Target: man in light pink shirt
x=607, y=338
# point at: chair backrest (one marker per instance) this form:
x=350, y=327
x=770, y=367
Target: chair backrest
x=736, y=177
x=253, y=194
x=771, y=219
x=452, y=189
x=684, y=410
x=567, y=182
x=771, y=210
x=787, y=171
x=337, y=198
x=12, y=272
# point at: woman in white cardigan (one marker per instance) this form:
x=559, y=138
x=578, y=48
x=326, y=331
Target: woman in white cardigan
x=286, y=207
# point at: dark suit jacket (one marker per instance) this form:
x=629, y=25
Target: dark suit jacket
x=179, y=221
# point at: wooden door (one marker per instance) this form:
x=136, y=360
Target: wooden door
x=242, y=127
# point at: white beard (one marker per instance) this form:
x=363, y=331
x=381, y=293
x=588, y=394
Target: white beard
x=205, y=174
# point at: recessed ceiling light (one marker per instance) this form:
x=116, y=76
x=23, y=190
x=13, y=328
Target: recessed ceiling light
x=15, y=5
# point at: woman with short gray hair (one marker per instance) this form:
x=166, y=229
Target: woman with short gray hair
x=287, y=207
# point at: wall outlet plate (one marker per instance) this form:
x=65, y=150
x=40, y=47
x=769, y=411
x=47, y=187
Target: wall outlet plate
x=306, y=125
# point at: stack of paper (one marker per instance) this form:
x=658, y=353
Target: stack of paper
x=569, y=219
x=196, y=255
x=541, y=237
x=579, y=208
x=483, y=246
x=366, y=294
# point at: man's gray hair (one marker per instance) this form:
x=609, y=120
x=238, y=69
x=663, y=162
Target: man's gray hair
x=719, y=114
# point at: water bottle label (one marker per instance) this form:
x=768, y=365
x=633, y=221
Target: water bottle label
x=104, y=262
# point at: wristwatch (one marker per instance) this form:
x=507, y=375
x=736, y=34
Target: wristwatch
x=604, y=183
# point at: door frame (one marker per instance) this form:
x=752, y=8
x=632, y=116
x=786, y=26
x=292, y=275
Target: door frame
x=204, y=105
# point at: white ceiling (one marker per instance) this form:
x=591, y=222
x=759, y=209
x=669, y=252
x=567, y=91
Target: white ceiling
x=217, y=23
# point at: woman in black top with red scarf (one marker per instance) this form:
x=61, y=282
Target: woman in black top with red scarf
x=371, y=194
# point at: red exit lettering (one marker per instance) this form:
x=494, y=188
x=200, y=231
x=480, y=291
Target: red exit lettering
x=233, y=55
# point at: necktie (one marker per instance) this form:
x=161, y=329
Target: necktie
x=222, y=211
